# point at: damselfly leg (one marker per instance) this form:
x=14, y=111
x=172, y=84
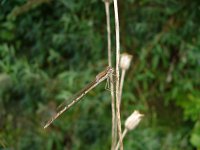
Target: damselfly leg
x=107, y=86
x=110, y=80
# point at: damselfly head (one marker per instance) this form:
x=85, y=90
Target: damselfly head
x=110, y=70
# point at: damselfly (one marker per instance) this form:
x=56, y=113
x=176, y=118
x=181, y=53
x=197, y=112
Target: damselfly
x=99, y=78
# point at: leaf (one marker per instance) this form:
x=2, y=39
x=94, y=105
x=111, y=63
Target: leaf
x=195, y=136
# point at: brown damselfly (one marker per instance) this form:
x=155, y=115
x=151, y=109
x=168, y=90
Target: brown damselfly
x=77, y=97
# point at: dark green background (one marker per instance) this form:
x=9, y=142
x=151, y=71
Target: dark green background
x=49, y=49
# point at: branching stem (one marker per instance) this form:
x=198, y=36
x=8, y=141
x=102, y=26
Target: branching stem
x=123, y=135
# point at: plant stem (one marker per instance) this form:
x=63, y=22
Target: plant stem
x=123, y=135
x=117, y=73
x=107, y=7
x=121, y=84
x=114, y=135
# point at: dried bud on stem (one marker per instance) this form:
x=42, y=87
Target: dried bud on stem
x=133, y=120
x=125, y=61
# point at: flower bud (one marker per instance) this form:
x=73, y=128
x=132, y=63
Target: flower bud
x=125, y=61
x=133, y=120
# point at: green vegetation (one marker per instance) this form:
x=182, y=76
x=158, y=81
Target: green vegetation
x=51, y=49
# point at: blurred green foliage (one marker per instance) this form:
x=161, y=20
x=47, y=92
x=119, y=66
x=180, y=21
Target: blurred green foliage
x=51, y=49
